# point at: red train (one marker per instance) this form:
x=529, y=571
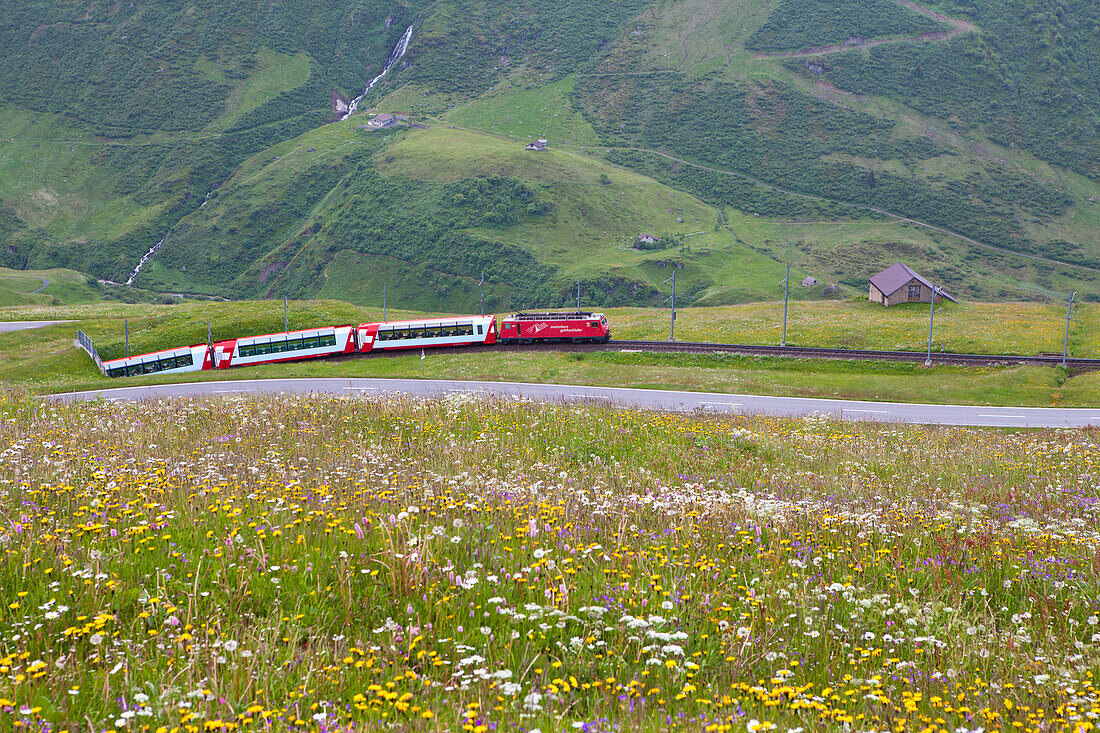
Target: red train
x=315, y=343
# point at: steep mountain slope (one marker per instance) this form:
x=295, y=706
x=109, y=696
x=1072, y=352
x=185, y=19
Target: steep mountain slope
x=824, y=134
x=118, y=118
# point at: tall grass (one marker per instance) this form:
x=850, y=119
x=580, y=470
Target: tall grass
x=338, y=564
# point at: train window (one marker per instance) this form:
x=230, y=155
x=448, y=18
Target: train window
x=594, y=324
x=479, y=331
x=245, y=350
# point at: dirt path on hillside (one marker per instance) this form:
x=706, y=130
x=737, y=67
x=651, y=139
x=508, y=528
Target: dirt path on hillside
x=865, y=207
x=958, y=27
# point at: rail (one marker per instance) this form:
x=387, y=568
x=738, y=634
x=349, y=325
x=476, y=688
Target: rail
x=786, y=352
x=815, y=352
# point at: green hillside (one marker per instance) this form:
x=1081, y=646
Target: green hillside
x=839, y=137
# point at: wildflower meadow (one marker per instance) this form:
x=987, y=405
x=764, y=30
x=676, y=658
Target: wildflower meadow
x=327, y=564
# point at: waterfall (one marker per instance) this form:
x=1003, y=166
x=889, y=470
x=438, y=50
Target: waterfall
x=395, y=56
x=150, y=253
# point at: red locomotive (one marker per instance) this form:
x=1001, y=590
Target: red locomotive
x=576, y=327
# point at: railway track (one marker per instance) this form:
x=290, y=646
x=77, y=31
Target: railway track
x=810, y=352
x=783, y=352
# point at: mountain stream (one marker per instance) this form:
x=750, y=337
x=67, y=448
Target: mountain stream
x=395, y=56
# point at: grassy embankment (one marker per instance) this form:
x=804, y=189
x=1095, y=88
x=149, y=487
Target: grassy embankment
x=44, y=360
x=306, y=564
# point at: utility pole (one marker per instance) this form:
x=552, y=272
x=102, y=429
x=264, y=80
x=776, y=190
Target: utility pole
x=672, y=299
x=578, y=296
x=1069, y=311
x=931, y=318
x=383, y=302
x=209, y=340
x=126, y=326
x=482, y=286
x=786, y=295
x=286, y=316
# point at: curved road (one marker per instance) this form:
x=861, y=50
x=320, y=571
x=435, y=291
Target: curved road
x=6, y=326
x=1013, y=417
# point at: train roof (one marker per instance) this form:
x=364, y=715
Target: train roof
x=141, y=358
x=569, y=316
x=321, y=330
x=427, y=322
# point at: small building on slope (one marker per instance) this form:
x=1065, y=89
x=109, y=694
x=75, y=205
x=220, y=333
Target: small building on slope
x=898, y=283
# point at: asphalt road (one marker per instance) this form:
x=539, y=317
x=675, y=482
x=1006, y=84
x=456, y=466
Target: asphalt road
x=6, y=326
x=1015, y=417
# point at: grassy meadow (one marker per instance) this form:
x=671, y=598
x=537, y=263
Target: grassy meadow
x=44, y=360
x=318, y=564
